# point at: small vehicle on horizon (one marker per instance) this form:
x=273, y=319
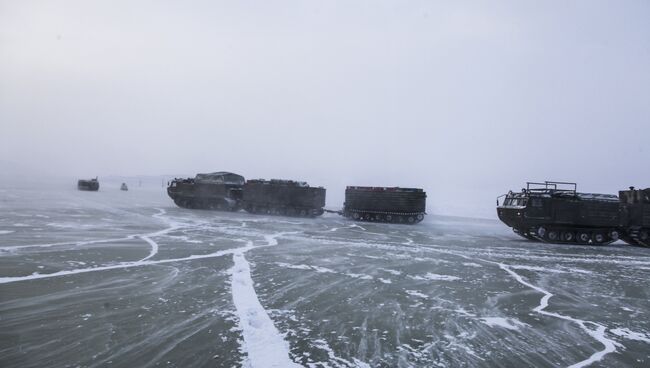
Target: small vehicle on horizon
x=88, y=185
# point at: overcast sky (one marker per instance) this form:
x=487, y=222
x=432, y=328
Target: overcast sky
x=464, y=99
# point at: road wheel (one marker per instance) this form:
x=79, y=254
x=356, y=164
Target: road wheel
x=541, y=231
x=583, y=237
x=643, y=235
x=389, y=218
x=598, y=238
x=568, y=236
x=411, y=219
x=553, y=235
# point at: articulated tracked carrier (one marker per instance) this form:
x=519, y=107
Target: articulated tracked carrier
x=556, y=212
x=283, y=197
x=381, y=204
x=636, y=216
x=90, y=185
x=214, y=191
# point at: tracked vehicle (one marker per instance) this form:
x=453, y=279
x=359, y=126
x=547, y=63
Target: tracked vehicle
x=89, y=185
x=283, y=197
x=556, y=212
x=215, y=191
x=381, y=204
x=635, y=216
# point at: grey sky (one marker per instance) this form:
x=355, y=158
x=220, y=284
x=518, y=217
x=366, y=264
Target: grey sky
x=465, y=99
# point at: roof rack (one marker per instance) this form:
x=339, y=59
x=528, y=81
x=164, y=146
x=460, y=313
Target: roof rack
x=552, y=187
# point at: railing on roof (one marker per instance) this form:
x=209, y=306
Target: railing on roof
x=552, y=187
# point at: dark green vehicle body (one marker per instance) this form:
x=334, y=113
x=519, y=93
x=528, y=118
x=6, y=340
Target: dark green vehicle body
x=231, y=192
x=283, y=197
x=385, y=204
x=636, y=216
x=556, y=212
x=215, y=191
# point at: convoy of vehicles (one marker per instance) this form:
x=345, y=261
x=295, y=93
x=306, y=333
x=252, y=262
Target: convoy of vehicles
x=553, y=212
x=228, y=191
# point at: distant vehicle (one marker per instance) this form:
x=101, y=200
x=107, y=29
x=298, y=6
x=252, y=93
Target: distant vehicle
x=89, y=185
x=214, y=191
x=556, y=212
x=124, y=187
x=381, y=204
x=283, y=197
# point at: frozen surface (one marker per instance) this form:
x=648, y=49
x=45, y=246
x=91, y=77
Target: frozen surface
x=127, y=279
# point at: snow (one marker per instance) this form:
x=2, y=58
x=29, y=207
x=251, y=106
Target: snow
x=416, y=293
x=631, y=335
x=471, y=264
x=154, y=247
x=435, y=277
x=508, y=323
x=263, y=343
x=295, y=267
x=353, y=297
x=598, y=333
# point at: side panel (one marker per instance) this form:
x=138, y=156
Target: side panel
x=283, y=195
x=209, y=190
x=566, y=211
x=385, y=201
x=590, y=213
x=597, y=213
x=202, y=190
x=538, y=208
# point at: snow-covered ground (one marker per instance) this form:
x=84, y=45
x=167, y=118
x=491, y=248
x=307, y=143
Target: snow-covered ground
x=127, y=279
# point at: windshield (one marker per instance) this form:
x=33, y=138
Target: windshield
x=515, y=200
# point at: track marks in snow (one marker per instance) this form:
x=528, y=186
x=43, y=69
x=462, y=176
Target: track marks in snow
x=123, y=265
x=154, y=247
x=263, y=343
x=320, y=269
x=598, y=333
x=75, y=243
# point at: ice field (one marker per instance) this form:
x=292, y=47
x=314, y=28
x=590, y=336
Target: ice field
x=127, y=279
